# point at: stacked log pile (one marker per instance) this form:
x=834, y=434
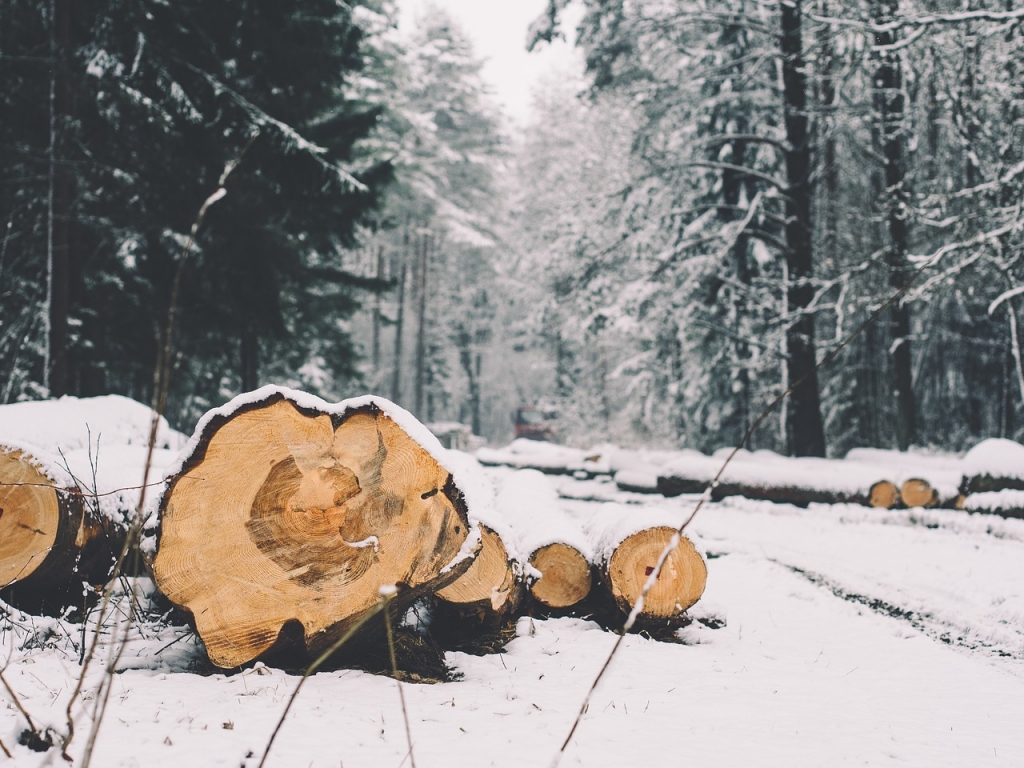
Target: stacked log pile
x=993, y=481
x=869, y=477
x=284, y=518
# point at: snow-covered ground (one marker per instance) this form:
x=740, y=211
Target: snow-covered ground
x=853, y=636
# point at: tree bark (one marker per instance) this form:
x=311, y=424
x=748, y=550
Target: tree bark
x=250, y=354
x=377, y=313
x=396, y=378
x=59, y=280
x=421, y=327
x=890, y=105
x=805, y=433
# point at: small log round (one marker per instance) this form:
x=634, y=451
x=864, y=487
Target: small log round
x=884, y=495
x=680, y=583
x=489, y=587
x=565, y=576
x=918, y=493
x=292, y=514
x=51, y=543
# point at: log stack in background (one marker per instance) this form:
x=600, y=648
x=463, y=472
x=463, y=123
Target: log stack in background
x=289, y=516
x=993, y=481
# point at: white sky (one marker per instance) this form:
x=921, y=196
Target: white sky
x=498, y=30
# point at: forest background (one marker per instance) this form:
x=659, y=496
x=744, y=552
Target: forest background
x=739, y=185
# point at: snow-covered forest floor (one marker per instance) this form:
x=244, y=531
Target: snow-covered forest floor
x=852, y=636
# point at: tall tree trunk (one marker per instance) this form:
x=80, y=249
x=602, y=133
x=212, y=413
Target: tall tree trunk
x=396, y=378
x=806, y=436
x=250, y=359
x=58, y=282
x=377, y=315
x=827, y=140
x=421, y=328
x=889, y=103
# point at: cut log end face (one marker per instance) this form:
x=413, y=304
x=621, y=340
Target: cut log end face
x=884, y=495
x=919, y=493
x=489, y=581
x=565, y=576
x=284, y=518
x=680, y=583
x=29, y=517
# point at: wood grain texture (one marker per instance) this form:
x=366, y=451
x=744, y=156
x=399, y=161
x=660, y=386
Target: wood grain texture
x=679, y=586
x=286, y=515
x=565, y=576
x=490, y=585
x=52, y=542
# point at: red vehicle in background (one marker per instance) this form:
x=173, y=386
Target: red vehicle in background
x=535, y=422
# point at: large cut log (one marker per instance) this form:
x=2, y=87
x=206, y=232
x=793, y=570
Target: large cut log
x=54, y=542
x=993, y=465
x=554, y=544
x=628, y=543
x=492, y=587
x=291, y=513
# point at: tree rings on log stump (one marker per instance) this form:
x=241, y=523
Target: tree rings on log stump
x=292, y=511
x=884, y=495
x=680, y=583
x=565, y=576
x=918, y=493
x=50, y=542
x=489, y=586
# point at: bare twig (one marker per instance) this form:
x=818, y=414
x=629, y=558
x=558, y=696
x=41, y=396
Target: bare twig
x=17, y=703
x=401, y=694
x=161, y=378
x=5, y=750
x=652, y=578
x=315, y=666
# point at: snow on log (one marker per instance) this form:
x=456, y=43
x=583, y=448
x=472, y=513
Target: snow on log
x=549, y=458
x=492, y=587
x=554, y=543
x=770, y=477
x=78, y=423
x=924, y=479
x=288, y=510
x=994, y=465
x=628, y=543
x=53, y=540
x=1006, y=503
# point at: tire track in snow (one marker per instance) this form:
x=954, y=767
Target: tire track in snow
x=928, y=624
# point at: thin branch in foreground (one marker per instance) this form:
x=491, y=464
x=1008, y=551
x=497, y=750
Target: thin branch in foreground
x=20, y=707
x=652, y=578
x=401, y=694
x=5, y=750
x=316, y=665
x=161, y=377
